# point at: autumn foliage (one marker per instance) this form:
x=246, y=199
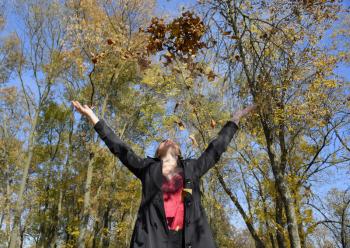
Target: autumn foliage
x=284, y=177
x=180, y=38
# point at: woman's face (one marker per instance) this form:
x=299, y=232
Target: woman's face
x=168, y=150
x=169, y=155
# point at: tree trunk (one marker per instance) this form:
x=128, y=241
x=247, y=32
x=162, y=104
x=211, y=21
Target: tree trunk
x=258, y=242
x=287, y=200
x=279, y=220
x=284, y=191
x=106, y=226
x=86, y=206
x=300, y=226
x=282, y=186
x=19, y=205
x=7, y=212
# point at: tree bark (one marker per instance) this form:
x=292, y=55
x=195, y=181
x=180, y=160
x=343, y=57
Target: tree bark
x=19, y=205
x=279, y=220
x=284, y=191
x=258, y=242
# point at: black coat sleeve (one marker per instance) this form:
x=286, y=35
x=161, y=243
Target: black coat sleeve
x=216, y=147
x=119, y=148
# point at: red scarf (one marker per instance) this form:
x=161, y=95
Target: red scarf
x=173, y=202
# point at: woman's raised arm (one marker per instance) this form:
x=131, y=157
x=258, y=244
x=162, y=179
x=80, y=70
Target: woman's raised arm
x=217, y=146
x=118, y=147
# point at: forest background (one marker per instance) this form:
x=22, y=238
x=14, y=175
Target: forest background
x=175, y=69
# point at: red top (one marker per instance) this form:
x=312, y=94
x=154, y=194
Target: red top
x=173, y=202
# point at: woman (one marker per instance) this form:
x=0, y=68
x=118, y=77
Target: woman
x=170, y=214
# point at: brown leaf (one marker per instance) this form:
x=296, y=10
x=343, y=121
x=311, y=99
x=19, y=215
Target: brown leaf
x=193, y=139
x=212, y=123
x=192, y=102
x=211, y=76
x=176, y=106
x=110, y=42
x=181, y=125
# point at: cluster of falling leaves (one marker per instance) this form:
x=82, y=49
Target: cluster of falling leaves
x=179, y=39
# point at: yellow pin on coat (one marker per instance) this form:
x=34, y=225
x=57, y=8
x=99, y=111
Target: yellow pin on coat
x=188, y=190
x=184, y=191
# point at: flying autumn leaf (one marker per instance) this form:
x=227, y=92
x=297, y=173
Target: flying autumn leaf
x=180, y=124
x=176, y=106
x=110, y=42
x=211, y=75
x=194, y=141
x=212, y=123
x=226, y=32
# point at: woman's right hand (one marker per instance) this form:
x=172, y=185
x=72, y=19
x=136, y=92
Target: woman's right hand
x=86, y=110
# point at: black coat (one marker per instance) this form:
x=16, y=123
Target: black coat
x=151, y=230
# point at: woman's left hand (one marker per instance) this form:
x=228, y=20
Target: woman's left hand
x=242, y=112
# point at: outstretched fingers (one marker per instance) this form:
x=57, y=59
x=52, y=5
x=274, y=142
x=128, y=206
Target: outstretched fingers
x=78, y=106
